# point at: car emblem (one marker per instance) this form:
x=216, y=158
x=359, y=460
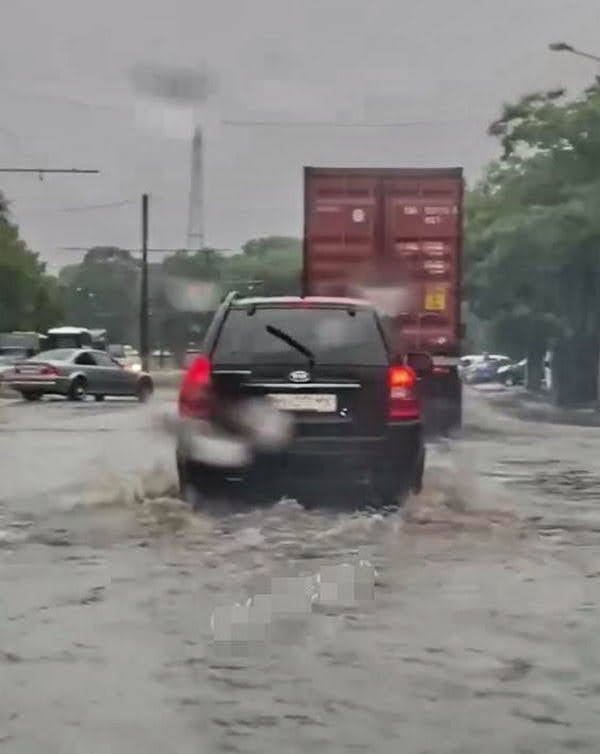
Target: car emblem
x=299, y=376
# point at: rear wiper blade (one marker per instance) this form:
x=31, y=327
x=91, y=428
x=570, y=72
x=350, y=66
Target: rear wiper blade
x=277, y=333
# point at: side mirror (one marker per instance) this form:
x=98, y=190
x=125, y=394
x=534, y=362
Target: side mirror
x=422, y=363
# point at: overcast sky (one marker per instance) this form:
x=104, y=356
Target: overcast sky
x=440, y=69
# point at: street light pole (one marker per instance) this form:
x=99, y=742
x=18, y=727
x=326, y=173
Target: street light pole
x=564, y=47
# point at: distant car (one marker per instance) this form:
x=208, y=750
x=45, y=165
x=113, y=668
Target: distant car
x=466, y=362
x=484, y=369
x=512, y=374
x=319, y=366
x=77, y=373
x=127, y=357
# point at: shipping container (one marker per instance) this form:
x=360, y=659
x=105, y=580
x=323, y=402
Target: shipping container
x=394, y=235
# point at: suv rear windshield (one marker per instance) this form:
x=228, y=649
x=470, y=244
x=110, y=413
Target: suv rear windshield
x=334, y=336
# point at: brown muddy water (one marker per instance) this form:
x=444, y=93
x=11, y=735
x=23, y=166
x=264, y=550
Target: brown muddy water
x=465, y=622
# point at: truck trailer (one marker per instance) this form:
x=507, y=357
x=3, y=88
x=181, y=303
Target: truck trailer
x=394, y=236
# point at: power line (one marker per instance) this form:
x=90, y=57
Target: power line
x=333, y=124
x=89, y=207
x=81, y=208
x=173, y=250
x=42, y=171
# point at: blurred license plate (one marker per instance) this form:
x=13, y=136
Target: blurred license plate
x=321, y=403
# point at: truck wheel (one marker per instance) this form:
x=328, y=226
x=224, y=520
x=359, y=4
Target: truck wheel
x=391, y=492
x=418, y=482
x=201, y=487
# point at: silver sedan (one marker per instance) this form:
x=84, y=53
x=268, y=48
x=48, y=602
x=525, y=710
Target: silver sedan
x=77, y=373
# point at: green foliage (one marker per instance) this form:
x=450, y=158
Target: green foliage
x=267, y=266
x=29, y=299
x=272, y=265
x=103, y=292
x=275, y=263
x=533, y=226
x=261, y=246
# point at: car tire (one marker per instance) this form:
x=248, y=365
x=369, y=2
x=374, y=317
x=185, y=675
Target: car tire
x=78, y=389
x=99, y=398
x=201, y=487
x=144, y=391
x=31, y=397
x=392, y=493
x=417, y=487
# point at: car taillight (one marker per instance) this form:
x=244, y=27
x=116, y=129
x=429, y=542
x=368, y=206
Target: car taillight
x=403, y=399
x=194, y=395
x=49, y=371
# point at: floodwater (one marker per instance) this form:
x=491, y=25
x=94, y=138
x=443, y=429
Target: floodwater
x=466, y=622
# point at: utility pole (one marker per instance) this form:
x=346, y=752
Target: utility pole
x=144, y=348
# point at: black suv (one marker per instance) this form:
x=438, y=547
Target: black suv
x=323, y=365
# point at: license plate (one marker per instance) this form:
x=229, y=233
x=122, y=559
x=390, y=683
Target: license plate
x=435, y=300
x=321, y=403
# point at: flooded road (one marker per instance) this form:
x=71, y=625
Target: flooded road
x=465, y=623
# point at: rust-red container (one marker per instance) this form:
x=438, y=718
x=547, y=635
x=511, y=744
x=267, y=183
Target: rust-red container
x=397, y=229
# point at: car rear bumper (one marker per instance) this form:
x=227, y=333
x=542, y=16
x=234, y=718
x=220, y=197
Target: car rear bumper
x=399, y=453
x=60, y=387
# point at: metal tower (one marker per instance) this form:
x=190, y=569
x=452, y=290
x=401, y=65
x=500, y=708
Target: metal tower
x=195, y=231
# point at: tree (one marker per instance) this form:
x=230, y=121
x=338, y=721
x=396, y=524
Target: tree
x=266, y=266
x=257, y=247
x=3, y=209
x=102, y=292
x=29, y=298
x=533, y=230
x=273, y=262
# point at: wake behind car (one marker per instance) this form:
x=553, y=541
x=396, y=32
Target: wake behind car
x=77, y=373
x=349, y=411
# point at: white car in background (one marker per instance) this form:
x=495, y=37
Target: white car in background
x=467, y=361
x=481, y=367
